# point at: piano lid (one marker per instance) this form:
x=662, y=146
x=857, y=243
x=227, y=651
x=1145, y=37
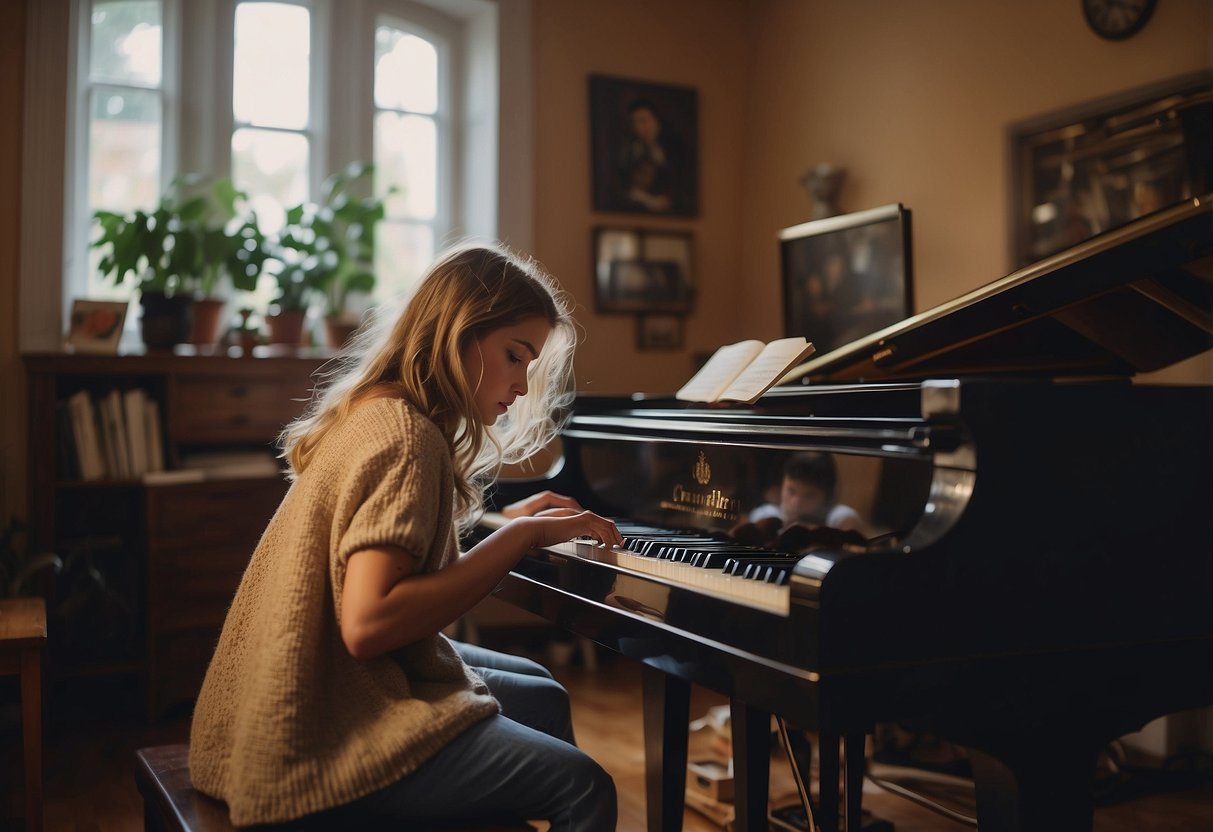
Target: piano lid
x=1134, y=299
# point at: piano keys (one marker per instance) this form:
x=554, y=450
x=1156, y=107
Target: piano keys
x=1037, y=559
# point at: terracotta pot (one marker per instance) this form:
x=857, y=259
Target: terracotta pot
x=165, y=321
x=338, y=332
x=208, y=318
x=287, y=327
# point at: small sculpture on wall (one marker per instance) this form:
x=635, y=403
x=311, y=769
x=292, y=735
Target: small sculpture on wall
x=823, y=182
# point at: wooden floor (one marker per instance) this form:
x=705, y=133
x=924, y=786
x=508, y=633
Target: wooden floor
x=90, y=787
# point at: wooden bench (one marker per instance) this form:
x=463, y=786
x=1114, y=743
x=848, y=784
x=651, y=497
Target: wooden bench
x=22, y=641
x=170, y=803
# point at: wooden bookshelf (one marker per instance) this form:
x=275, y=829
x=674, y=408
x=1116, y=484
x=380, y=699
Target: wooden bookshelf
x=170, y=555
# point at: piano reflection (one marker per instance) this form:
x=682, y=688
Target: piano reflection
x=1033, y=567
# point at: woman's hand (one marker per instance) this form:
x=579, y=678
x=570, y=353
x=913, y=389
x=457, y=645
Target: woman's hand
x=542, y=501
x=558, y=525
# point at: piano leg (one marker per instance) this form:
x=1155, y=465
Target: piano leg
x=667, y=713
x=827, y=781
x=1049, y=790
x=751, y=733
x=851, y=766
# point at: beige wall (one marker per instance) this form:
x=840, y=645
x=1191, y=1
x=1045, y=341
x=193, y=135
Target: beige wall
x=914, y=99
x=698, y=43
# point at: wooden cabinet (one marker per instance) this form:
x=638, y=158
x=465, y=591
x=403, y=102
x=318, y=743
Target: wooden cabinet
x=150, y=569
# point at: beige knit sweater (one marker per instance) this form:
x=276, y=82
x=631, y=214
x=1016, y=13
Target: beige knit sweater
x=288, y=723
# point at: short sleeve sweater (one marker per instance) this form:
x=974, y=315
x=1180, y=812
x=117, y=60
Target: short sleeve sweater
x=287, y=722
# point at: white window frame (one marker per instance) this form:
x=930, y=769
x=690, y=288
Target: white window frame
x=490, y=181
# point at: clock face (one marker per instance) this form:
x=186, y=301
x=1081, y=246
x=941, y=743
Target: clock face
x=1117, y=19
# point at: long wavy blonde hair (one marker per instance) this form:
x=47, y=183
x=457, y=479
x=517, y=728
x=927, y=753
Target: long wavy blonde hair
x=470, y=291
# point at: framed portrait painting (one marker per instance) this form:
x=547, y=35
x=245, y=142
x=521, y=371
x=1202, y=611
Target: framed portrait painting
x=1088, y=169
x=644, y=147
x=640, y=270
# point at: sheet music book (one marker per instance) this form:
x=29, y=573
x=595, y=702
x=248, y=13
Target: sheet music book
x=742, y=372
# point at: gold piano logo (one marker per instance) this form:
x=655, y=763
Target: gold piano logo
x=714, y=504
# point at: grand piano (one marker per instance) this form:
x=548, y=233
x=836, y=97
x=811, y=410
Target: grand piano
x=1036, y=574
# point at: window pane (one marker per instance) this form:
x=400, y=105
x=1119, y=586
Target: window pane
x=402, y=252
x=123, y=169
x=272, y=168
x=270, y=74
x=126, y=38
x=124, y=149
x=406, y=156
x=406, y=71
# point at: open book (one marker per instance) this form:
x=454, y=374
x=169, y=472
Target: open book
x=742, y=372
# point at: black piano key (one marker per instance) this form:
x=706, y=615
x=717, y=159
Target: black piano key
x=739, y=565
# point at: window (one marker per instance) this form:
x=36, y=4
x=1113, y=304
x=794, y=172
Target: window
x=271, y=84
x=121, y=110
x=276, y=95
x=410, y=138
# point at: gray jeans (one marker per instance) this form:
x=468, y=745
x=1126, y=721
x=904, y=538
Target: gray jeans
x=521, y=763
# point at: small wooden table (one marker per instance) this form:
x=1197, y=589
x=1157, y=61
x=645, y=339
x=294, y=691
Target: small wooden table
x=22, y=641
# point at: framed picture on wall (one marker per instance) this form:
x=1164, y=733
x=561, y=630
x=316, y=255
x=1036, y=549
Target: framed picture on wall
x=658, y=332
x=644, y=147
x=638, y=270
x=1091, y=168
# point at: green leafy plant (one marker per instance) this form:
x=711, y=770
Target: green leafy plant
x=193, y=237
x=327, y=249
x=18, y=565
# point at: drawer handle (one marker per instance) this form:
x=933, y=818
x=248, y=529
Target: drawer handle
x=239, y=391
x=240, y=420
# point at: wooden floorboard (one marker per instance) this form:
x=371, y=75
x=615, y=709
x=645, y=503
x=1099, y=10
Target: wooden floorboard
x=89, y=780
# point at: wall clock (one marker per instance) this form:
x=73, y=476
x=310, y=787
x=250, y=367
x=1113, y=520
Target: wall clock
x=1117, y=19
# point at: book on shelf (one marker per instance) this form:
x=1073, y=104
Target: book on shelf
x=115, y=431
x=174, y=477
x=155, y=436
x=134, y=418
x=233, y=464
x=90, y=459
x=742, y=372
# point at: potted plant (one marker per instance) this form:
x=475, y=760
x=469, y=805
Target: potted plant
x=178, y=250
x=231, y=245
x=327, y=253
x=159, y=249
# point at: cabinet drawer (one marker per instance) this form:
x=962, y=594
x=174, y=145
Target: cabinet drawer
x=207, y=514
x=235, y=409
x=192, y=588
x=179, y=663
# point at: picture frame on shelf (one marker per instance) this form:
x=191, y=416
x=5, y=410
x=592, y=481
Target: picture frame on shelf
x=95, y=326
x=642, y=270
x=644, y=147
x=658, y=332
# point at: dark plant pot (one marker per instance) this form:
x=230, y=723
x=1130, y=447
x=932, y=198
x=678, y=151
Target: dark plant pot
x=338, y=332
x=165, y=321
x=286, y=327
x=208, y=317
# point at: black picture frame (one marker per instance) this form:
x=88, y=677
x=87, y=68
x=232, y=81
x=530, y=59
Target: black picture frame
x=659, y=332
x=847, y=276
x=644, y=147
x=1096, y=166
x=642, y=270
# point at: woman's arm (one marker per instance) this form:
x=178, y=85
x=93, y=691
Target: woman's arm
x=385, y=606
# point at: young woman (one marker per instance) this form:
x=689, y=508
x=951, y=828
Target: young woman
x=332, y=689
